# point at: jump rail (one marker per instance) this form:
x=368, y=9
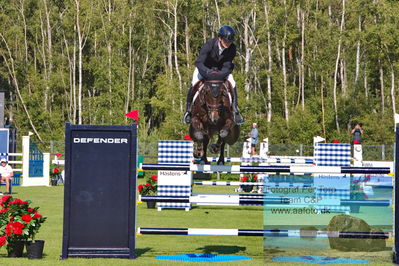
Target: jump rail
x=266, y=169
x=236, y=183
x=261, y=232
x=227, y=183
x=264, y=160
x=255, y=200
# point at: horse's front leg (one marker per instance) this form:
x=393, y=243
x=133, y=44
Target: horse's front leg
x=198, y=149
x=205, y=142
x=224, y=132
x=221, y=156
x=197, y=135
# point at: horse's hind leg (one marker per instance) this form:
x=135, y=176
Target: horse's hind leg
x=215, y=148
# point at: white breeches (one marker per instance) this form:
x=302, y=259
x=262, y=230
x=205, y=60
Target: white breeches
x=197, y=77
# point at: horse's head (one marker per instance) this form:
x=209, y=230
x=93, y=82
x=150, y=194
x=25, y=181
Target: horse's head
x=216, y=99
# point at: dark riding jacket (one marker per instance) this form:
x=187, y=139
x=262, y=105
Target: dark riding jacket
x=213, y=66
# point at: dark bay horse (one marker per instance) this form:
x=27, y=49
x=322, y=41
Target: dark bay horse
x=212, y=115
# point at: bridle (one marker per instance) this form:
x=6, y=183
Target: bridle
x=209, y=108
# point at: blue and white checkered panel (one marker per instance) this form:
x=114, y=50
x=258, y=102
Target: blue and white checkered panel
x=333, y=154
x=165, y=190
x=175, y=152
x=336, y=154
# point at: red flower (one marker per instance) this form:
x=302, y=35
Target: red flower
x=148, y=184
x=30, y=210
x=2, y=240
x=255, y=178
x=56, y=170
x=37, y=215
x=4, y=199
x=27, y=218
x=140, y=188
x=154, y=177
x=18, y=228
x=15, y=228
x=244, y=178
x=16, y=201
x=3, y=210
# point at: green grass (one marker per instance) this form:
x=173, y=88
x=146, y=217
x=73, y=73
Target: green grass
x=50, y=200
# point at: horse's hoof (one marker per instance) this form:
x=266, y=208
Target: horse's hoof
x=220, y=162
x=223, y=133
x=214, y=148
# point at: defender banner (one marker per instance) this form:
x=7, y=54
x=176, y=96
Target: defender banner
x=100, y=187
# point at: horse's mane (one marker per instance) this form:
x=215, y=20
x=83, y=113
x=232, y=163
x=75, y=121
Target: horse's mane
x=215, y=87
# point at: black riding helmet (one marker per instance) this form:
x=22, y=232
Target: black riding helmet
x=227, y=33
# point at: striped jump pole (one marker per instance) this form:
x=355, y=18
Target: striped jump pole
x=227, y=183
x=264, y=160
x=260, y=200
x=236, y=183
x=208, y=168
x=261, y=232
x=4, y=154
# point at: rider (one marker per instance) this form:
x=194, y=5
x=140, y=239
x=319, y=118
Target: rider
x=214, y=62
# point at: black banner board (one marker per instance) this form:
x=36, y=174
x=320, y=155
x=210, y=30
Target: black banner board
x=100, y=191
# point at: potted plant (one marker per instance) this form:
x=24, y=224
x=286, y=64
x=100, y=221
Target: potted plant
x=54, y=175
x=149, y=188
x=18, y=223
x=248, y=179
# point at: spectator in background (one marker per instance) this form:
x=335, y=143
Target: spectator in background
x=357, y=133
x=254, y=138
x=6, y=173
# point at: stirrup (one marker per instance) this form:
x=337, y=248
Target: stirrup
x=238, y=119
x=187, y=118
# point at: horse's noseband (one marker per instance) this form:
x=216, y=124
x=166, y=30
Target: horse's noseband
x=219, y=108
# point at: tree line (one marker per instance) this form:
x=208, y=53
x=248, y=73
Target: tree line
x=303, y=67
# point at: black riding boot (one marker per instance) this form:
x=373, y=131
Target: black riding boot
x=238, y=119
x=187, y=114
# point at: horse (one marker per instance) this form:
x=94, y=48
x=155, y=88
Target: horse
x=212, y=114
